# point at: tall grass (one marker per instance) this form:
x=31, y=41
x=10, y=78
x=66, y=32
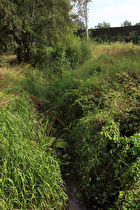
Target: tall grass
x=30, y=172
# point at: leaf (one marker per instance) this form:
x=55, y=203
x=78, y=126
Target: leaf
x=61, y=144
x=50, y=141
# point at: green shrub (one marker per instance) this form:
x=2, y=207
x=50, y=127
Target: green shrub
x=104, y=162
x=62, y=57
x=130, y=198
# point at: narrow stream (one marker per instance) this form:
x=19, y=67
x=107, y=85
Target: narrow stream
x=74, y=203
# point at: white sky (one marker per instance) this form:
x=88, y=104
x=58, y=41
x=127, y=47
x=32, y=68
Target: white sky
x=114, y=12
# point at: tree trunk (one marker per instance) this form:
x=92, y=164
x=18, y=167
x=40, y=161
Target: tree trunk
x=86, y=19
x=19, y=55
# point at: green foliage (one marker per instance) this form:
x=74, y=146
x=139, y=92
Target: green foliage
x=137, y=24
x=99, y=105
x=82, y=10
x=30, y=172
x=126, y=23
x=103, y=25
x=63, y=57
x=96, y=107
x=24, y=22
x=130, y=199
x=78, y=51
x=105, y=161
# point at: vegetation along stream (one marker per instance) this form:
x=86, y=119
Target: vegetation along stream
x=81, y=125
x=69, y=112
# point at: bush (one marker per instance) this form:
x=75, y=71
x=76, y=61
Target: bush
x=63, y=57
x=130, y=198
x=105, y=163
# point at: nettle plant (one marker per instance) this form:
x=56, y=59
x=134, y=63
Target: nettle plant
x=106, y=162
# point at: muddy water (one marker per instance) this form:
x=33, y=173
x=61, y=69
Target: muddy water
x=73, y=202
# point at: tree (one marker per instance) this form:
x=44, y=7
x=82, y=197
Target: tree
x=78, y=21
x=126, y=23
x=33, y=23
x=137, y=24
x=82, y=6
x=6, y=11
x=103, y=25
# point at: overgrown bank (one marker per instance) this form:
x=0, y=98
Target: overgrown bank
x=30, y=175
x=95, y=104
x=99, y=104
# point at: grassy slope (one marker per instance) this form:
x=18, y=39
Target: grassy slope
x=30, y=172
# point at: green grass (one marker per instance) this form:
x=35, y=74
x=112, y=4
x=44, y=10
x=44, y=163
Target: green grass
x=30, y=172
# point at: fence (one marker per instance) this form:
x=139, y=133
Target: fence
x=115, y=31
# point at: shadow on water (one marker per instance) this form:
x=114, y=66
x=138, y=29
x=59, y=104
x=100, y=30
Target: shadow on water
x=69, y=179
x=74, y=203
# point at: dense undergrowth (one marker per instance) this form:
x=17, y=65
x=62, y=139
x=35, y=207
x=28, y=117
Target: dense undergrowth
x=95, y=101
x=99, y=104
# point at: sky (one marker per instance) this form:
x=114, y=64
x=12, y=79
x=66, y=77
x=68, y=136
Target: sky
x=114, y=12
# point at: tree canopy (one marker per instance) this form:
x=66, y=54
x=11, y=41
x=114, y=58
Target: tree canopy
x=31, y=23
x=103, y=25
x=82, y=10
x=126, y=23
x=137, y=24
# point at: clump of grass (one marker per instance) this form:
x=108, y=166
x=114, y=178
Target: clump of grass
x=30, y=172
x=35, y=83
